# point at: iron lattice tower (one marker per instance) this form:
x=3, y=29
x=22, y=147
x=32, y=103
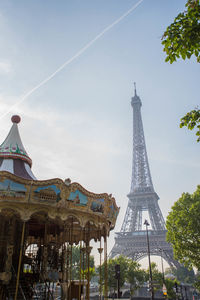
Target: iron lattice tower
x=131, y=240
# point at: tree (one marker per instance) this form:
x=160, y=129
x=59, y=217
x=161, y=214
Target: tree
x=170, y=284
x=159, y=281
x=135, y=276
x=112, y=281
x=182, y=274
x=192, y=120
x=157, y=276
x=197, y=281
x=185, y=275
x=124, y=262
x=183, y=225
x=182, y=37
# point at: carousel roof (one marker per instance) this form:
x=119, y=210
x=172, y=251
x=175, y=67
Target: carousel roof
x=13, y=156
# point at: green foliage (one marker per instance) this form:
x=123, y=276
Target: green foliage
x=159, y=281
x=156, y=276
x=92, y=272
x=185, y=275
x=112, y=283
x=170, y=284
x=192, y=120
x=124, y=263
x=76, y=263
x=182, y=37
x=183, y=229
x=182, y=274
x=135, y=276
x=130, y=271
x=197, y=282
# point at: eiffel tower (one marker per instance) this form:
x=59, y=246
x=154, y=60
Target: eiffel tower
x=131, y=240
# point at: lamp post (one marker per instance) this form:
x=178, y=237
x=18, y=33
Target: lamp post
x=150, y=271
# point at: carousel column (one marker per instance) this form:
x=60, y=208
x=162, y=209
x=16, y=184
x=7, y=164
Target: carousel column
x=64, y=263
x=80, y=266
x=3, y=251
x=64, y=272
x=100, y=250
x=88, y=250
x=83, y=250
x=20, y=259
x=9, y=252
x=70, y=272
x=45, y=253
x=105, y=268
x=64, y=284
x=71, y=249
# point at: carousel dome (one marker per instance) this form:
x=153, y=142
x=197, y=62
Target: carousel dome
x=13, y=156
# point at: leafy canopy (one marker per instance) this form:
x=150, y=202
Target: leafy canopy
x=123, y=262
x=182, y=40
x=135, y=276
x=130, y=271
x=192, y=120
x=183, y=225
x=182, y=37
x=170, y=284
x=182, y=274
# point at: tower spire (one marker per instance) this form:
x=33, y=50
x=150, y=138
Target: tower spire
x=135, y=89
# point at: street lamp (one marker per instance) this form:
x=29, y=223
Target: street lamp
x=150, y=271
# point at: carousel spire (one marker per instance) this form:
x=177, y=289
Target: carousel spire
x=13, y=156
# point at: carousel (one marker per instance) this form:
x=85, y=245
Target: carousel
x=40, y=223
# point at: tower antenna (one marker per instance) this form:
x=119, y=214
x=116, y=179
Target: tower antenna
x=135, y=88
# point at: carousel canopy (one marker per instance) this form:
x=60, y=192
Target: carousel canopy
x=13, y=156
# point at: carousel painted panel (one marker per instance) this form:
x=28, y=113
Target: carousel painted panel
x=113, y=211
x=11, y=190
x=49, y=194
x=98, y=205
x=78, y=198
x=74, y=199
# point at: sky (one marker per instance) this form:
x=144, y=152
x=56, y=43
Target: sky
x=79, y=123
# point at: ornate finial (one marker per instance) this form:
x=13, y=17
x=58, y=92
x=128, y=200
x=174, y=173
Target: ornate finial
x=67, y=181
x=135, y=88
x=16, y=119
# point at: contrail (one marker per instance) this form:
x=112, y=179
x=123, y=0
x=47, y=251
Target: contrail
x=81, y=51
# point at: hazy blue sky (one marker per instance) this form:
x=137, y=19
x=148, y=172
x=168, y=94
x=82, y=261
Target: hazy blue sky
x=79, y=124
